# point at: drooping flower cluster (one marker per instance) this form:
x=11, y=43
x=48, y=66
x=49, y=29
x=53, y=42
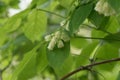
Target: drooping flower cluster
x=58, y=38
x=103, y=7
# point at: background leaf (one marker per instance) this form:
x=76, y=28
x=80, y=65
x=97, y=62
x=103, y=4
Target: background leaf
x=83, y=58
x=113, y=25
x=118, y=78
x=41, y=59
x=66, y=67
x=79, y=43
x=115, y=4
x=98, y=20
x=66, y=3
x=78, y=16
x=28, y=65
x=107, y=52
x=14, y=22
x=35, y=26
x=113, y=39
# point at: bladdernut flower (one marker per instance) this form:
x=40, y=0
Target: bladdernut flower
x=60, y=44
x=65, y=37
x=57, y=34
x=58, y=38
x=103, y=7
x=52, y=43
x=99, y=5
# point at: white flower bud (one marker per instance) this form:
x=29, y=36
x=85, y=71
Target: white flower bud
x=65, y=37
x=48, y=38
x=103, y=7
x=107, y=9
x=99, y=5
x=57, y=34
x=60, y=44
x=52, y=43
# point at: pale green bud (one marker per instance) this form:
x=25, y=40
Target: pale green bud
x=60, y=44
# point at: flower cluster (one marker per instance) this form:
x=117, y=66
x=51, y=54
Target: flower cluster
x=103, y=7
x=57, y=38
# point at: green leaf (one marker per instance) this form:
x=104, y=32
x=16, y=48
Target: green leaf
x=3, y=37
x=92, y=75
x=26, y=68
x=3, y=7
x=14, y=3
x=22, y=44
x=35, y=3
x=66, y=67
x=35, y=27
x=113, y=39
x=113, y=25
x=11, y=3
x=118, y=78
x=78, y=16
x=115, y=4
x=83, y=58
x=41, y=59
x=98, y=34
x=106, y=52
x=118, y=18
x=79, y=43
x=98, y=20
x=14, y=22
x=57, y=56
x=66, y=3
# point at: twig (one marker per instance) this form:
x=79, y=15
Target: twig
x=88, y=66
x=51, y=13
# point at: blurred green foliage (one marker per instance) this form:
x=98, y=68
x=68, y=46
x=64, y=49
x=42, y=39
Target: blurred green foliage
x=23, y=50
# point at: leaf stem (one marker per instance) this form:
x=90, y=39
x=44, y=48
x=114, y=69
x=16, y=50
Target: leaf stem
x=88, y=66
x=94, y=53
x=96, y=28
x=96, y=38
x=51, y=13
